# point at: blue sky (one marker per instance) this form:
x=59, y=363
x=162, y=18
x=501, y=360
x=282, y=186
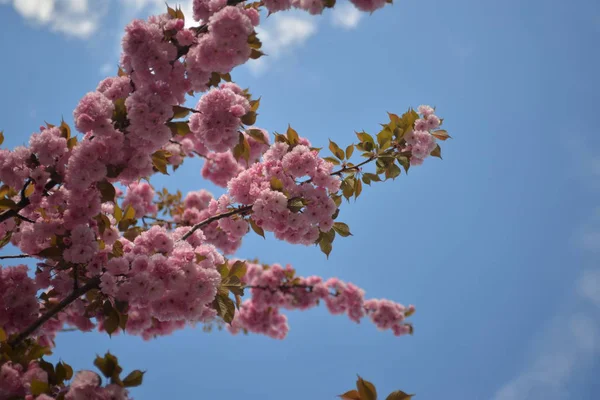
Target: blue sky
x=496, y=245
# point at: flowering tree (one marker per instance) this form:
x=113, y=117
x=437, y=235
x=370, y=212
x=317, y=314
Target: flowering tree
x=114, y=255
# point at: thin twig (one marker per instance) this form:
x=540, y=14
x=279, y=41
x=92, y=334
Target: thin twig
x=17, y=256
x=93, y=283
x=207, y=221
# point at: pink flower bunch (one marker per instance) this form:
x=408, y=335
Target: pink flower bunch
x=276, y=287
x=140, y=196
x=225, y=234
x=270, y=206
x=14, y=168
x=226, y=44
x=386, y=314
x=419, y=141
x=203, y=9
x=220, y=168
x=48, y=146
x=161, y=279
x=83, y=245
x=86, y=385
x=93, y=112
x=18, y=303
x=368, y=5
x=15, y=381
x=257, y=148
x=217, y=123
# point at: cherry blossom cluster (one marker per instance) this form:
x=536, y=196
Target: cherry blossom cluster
x=275, y=287
x=226, y=44
x=140, y=196
x=315, y=7
x=167, y=282
x=218, y=119
x=419, y=141
x=225, y=234
x=284, y=165
x=19, y=306
x=220, y=168
x=15, y=382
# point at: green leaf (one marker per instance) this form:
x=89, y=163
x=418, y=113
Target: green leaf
x=117, y=212
x=117, y=249
x=6, y=204
x=61, y=372
x=53, y=253
x=372, y=177
x=342, y=229
x=364, y=137
x=3, y=335
x=384, y=137
x=180, y=112
x=437, y=152
x=404, y=161
x=29, y=189
x=179, y=127
x=225, y=307
x=133, y=379
x=335, y=149
x=255, y=54
x=332, y=160
x=238, y=269
x=108, y=365
x=6, y=239
x=129, y=213
x=159, y=160
x=326, y=247
x=71, y=143
x=349, y=151
x=107, y=191
x=65, y=130
x=399, y=395
x=132, y=233
x=111, y=321
x=254, y=104
x=292, y=136
x=441, y=134
x=257, y=135
x=357, y=189
x=276, y=184
x=68, y=370
x=38, y=387
x=249, y=118
x=259, y=231
x=366, y=389
x=392, y=171
x=350, y=395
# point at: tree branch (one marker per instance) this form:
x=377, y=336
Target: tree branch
x=91, y=284
x=17, y=256
x=24, y=202
x=207, y=221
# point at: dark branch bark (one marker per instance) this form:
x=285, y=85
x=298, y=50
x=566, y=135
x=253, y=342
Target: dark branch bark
x=91, y=284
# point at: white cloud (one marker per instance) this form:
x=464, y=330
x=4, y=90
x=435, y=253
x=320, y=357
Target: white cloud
x=567, y=347
x=589, y=286
x=280, y=35
x=345, y=15
x=106, y=69
x=70, y=17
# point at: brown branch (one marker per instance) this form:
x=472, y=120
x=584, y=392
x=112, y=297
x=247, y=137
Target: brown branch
x=91, y=284
x=17, y=256
x=207, y=221
x=24, y=202
x=346, y=169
